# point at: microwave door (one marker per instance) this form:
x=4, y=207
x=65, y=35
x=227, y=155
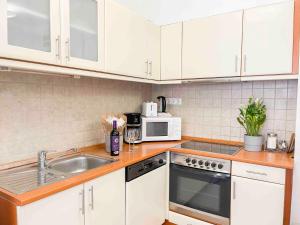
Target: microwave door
x=157, y=130
x=200, y=189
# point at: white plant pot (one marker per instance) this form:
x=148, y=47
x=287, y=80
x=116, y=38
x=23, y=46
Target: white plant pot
x=253, y=143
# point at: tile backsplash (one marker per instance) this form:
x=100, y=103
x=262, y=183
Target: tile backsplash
x=58, y=113
x=210, y=110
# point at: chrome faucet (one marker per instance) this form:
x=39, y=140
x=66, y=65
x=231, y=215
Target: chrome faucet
x=42, y=157
x=42, y=160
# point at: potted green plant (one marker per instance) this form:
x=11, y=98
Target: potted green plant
x=252, y=117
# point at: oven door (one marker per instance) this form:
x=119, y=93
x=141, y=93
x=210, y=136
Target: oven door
x=199, y=193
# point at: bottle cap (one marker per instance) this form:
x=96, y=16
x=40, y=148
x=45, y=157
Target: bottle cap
x=115, y=124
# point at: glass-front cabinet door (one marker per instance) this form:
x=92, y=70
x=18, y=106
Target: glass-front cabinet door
x=29, y=30
x=83, y=33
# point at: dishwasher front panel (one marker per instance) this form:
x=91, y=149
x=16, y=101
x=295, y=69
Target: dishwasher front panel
x=145, y=198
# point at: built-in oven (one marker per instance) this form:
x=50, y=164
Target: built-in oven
x=200, y=187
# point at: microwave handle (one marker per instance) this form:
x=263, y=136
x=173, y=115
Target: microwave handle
x=199, y=172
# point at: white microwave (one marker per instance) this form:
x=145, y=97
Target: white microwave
x=161, y=128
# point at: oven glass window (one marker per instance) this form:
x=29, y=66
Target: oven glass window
x=199, y=194
x=202, y=190
x=155, y=129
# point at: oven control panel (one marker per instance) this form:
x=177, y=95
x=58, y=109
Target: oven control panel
x=200, y=162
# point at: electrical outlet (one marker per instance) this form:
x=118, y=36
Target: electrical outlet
x=179, y=101
x=174, y=101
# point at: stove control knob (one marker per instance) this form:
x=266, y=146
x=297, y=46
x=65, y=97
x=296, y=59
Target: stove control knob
x=213, y=165
x=188, y=160
x=200, y=162
x=220, y=166
x=207, y=164
x=161, y=161
x=194, y=161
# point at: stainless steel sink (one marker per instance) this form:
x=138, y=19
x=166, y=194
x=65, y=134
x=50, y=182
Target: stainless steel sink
x=78, y=163
x=30, y=177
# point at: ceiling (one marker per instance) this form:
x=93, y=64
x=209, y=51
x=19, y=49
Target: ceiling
x=170, y=11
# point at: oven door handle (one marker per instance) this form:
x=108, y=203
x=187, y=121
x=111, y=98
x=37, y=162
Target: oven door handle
x=200, y=172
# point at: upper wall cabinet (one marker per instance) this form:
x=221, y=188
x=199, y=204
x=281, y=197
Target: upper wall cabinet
x=69, y=33
x=171, y=42
x=125, y=43
x=30, y=30
x=153, y=50
x=129, y=43
x=83, y=33
x=212, y=46
x=268, y=39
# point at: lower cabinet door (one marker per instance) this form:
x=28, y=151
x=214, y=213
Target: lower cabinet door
x=63, y=208
x=256, y=202
x=105, y=199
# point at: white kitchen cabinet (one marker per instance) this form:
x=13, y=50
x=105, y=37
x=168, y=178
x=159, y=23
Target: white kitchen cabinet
x=268, y=39
x=30, y=30
x=83, y=34
x=255, y=200
x=212, y=46
x=105, y=199
x=132, y=43
x=171, y=45
x=64, y=208
x=69, y=33
x=153, y=50
x=125, y=41
x=98, y=202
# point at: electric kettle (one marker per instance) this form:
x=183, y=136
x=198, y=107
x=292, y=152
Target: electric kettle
x=162, y=105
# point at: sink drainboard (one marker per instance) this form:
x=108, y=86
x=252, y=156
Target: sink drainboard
x=23, y=181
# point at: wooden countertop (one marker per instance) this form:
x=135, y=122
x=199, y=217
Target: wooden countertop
x=141, y=152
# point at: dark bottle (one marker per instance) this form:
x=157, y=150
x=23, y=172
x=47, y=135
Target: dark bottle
x=114, y=140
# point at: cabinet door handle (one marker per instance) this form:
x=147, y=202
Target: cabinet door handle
x=256, y=173
x=245, y=63
x=234, y=190
x=236, y=63
x=150, y=64
x=67, y=49
x=147, y=66
x=57, y=40
x=91, y=190
x=82, y=208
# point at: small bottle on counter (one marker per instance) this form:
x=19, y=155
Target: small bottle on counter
x=271, y=141
x=114, y=140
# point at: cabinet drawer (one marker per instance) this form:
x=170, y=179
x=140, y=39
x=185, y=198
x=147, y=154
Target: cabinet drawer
x=180, y=219
x=258, y=172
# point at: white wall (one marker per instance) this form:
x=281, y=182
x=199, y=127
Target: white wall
x=296, y=185
x=171, y=11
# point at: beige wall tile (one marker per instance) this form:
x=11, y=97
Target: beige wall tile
x=57, y=113
x=216, y=106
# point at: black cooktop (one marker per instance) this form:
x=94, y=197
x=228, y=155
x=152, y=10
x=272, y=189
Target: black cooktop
x=209, y=147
